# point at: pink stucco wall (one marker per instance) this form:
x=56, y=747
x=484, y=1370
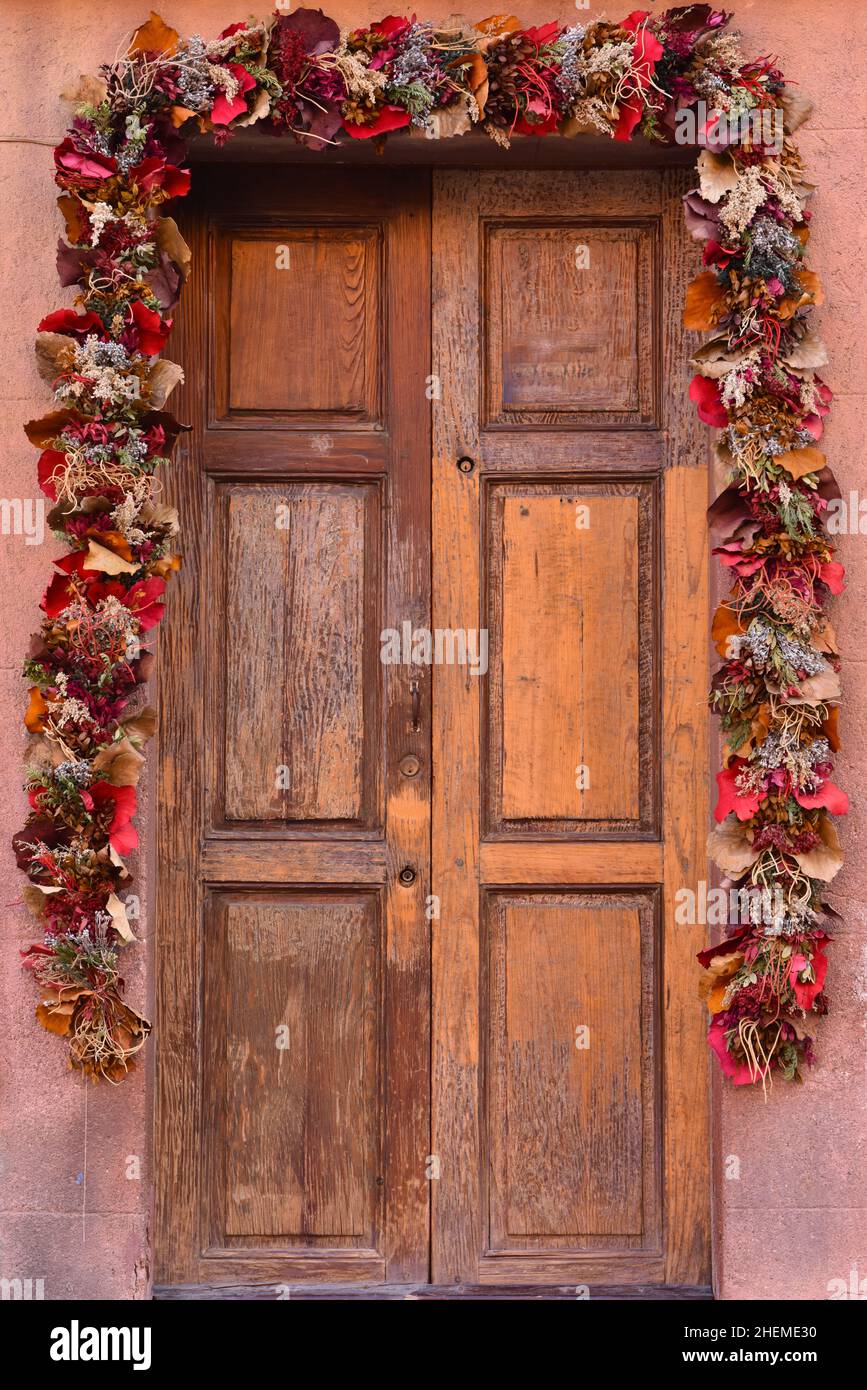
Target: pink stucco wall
x=796, y=1217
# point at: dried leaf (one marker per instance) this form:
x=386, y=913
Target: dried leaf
x=34, y=895
x=161, y=517
x=167, y=565
x=714, y=980
x=811, y=292
x=41, y=432
x=86, y=91
x=73, y=217
x=34, y=719
x=54, y=354
x=705, y=302
x=164, y=377
x=717, y=175
x=798, y=462
x=825, y=860
x=261, y=107
x=119, y=920
x=497, y=24
x=119, y=763
x=815, y=690
x=807, y=354
x=55, y=1015
x=726, y=624
x=142, y=726
x=155, y=36
x=730, y=848
x=99, y=557
x=797, y=108
x=829, y=727
x=824, y=639
x=714, y=359
x=172, y=244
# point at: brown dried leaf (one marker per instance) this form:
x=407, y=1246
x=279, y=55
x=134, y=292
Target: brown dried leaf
x=798, y=462
x=161, y=517
x=154, y=36
x=705, y=302
x=164, y=377
x=729, y=847
x=85, y=91
x=54, y=354
x=55, y=1015
x=172, y=244
x=142, y=726
x=797, y=108
x=815, y=690
x=119, y=763
x=34, y=719
x=714, y=359
x=808, y=354
x=826, y=859
x=99, y=557
x=829, y=727
x=73, y=217
x=717, y=175
x=119, y=920
x=726, y=624
x=41, y=432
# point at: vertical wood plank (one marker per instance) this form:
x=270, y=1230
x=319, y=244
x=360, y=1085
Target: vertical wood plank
x=179, y=814
x=685, y=773
x=407, y=1037
x=456, y=1217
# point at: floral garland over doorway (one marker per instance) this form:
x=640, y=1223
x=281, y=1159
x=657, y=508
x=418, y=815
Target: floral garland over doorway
x=777, y=688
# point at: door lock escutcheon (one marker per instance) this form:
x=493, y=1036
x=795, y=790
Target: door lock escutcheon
x=410, y=765
x=407, y=875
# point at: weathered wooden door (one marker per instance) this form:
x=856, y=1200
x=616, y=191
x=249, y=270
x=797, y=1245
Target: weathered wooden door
x=352, y=847
x=569, y=1092
x=293, y=1069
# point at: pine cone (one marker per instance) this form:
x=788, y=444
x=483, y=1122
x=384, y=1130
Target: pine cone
x=504, y=60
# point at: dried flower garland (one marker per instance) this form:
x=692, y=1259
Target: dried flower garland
x=777, y=689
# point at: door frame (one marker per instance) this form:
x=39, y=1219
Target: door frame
x=688, y=605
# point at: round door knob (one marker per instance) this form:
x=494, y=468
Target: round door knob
x=407, y=875
x=410, y=765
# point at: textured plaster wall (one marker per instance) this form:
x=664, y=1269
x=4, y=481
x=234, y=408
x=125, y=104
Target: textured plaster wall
x=797, y=1215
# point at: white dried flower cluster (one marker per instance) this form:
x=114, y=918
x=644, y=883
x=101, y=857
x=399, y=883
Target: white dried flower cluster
x=736, y=385
x=105, y=372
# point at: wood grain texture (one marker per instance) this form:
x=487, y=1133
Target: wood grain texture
x=572, y=1107
x=303, y=285
x=686, y=741
x=568, y=336
x=569, y=667
x=282, y=904
x=622, y=1223
x=293, y=1005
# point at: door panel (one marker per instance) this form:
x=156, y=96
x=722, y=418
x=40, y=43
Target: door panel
x=293, y=1132
x=569, y=567
x=569, y=979
x=302, y=582
x=569, y=1085
x=293, y=1099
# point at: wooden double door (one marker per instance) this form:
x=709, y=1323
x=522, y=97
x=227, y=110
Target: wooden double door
x=432, y=738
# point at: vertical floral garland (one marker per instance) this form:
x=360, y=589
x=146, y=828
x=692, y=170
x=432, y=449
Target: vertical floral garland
x=109, y=434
